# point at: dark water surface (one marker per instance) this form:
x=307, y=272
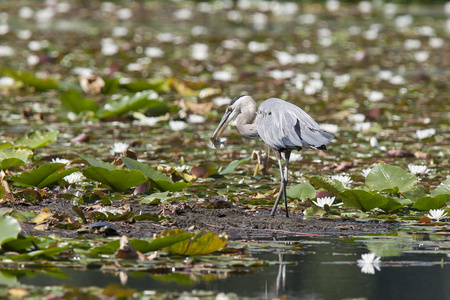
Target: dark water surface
x=323, y=269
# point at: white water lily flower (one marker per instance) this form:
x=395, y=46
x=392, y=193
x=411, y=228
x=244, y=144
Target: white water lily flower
x=153, y=52
x=7, y=81
x=340, y=81
x=195, y=119
x=60, y=160
x=74, y=177
x=295, y=157
x=418, y=169
x=119, y=148
x=320, y=202
x=436, y=214
x=425, y=133
x=421, y=56
x=368, y=263
x=357, y=118
x=221, y=101
x=222, y=75
x=375, y=96
x=255, y=46
x=373, y=142
x=109, y=47
x=345, y=179
x=331, y=128
x=147, y=121
x=365, y=172
x=177, y=125
x=363, y=126
x=199, y=51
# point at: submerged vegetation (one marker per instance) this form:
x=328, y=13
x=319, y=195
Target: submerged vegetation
x=109, y=106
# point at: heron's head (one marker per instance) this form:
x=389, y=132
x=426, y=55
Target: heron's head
x=231, y=113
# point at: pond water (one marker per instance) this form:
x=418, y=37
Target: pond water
x=316, y=268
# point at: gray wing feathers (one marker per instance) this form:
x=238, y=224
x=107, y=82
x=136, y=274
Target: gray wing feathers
x=281, y=124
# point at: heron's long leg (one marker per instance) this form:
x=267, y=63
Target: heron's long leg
x=282, y=185
x=287, y=155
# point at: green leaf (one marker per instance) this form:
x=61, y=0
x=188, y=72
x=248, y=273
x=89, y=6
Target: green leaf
x=333, y=186
x=363, y=200
x=159, y=180
x=442, y=189
x=9, y=229
x=74, y=102
x=98, y=163
x=154, y=198
x=118, y=179
x=126, y=104
x=387, y=178
x=10, y=157
x=43, y=176
x=234, y=164
x=111, y=86
x=168, y=240
x=203, y=242
x=427, y=203
x=415, y=193
x=29, y=79
x=301, y=191
x=37, y=139
x=2, y=191
x=158, y=85
x=394, y=203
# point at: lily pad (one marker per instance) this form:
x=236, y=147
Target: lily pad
x=118, y=179
x=159, y=180
x=427, y=203
x=43, y=176
x=10, y=157
x=9, y=229
x=140, y=100
x=301, y=191
x=74, y=102
x=394, y=203
x=98, y=163
x=203, y=242
x=442, y=189
x=30, y=79
x=333, y=186
x=158, y=85
x=234, y=164
x=37, y=139
x=363, y=200
x=391, y=179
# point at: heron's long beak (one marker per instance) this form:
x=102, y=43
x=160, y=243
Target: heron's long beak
x=226, y=119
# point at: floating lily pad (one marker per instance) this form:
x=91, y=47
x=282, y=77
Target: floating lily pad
x=10, y=157
x=301, y=191
x=37, y=139
x=203, y=242
x=427, y=203
x=30, y=79
x=159, y=180
x=234, y=164
x=9, y=229
x=98, y=163
x=118, y=179
x=442, y=189
x=74, y=102
x=392, y=179
x=333, y=186
x=43, y=176
x=140, y=100
x=363, y=200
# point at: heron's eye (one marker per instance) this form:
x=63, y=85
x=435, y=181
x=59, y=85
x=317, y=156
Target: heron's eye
x=229, y=109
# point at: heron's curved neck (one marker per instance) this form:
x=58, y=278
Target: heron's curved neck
x=246, y=120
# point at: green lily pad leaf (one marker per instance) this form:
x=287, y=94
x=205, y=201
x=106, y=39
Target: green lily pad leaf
x=159, y=180
x=74, y=102
x=392, y=179
x=427, y=203
x=363, y=200
x=37, y=139
x=118, y=179
x=9, y=229
x=21, y=216
x=203, y=242
x=442, y=189
x=330, y=185
x=140, y=100
x=415, y=193
x=5, y=145
x=111, y=86
x=168, y=239
x=154, y=198
x=98, y=163
x=10, y=157
x=29, y=79
x=394, y=203
x=301, y=191
x=2, y=192
x=43, y=176
x=158, y=85
x=234, y=164
x=50, y=252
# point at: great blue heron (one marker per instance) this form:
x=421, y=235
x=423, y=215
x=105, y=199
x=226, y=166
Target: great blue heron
x=280, y=124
